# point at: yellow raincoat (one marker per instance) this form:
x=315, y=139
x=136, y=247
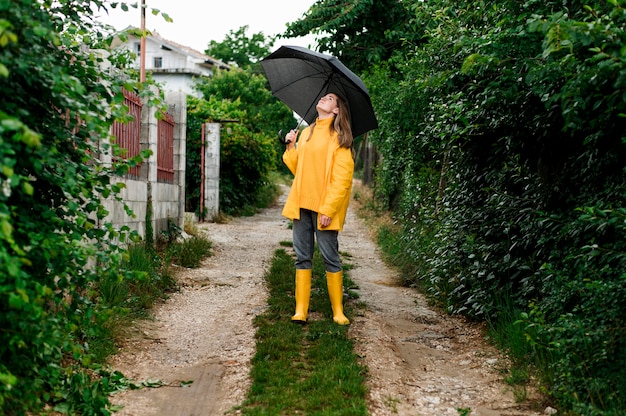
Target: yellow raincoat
x=334, y=173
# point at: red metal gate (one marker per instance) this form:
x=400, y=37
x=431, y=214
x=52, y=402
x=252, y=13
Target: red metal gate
x=165, y=149
x=128, y=135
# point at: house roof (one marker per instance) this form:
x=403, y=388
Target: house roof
x=186, y=50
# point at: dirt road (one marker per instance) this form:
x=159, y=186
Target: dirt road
x=420, y=362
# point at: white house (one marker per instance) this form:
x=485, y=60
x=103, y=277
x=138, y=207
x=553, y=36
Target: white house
x=171, y=64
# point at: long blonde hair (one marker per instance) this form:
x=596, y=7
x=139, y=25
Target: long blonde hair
x=341, y=124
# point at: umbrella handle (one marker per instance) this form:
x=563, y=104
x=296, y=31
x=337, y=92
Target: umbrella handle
x=280, y=134
x=281, y=139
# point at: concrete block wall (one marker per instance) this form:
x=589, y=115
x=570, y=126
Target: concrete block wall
x=135, y=196
x=167, y=200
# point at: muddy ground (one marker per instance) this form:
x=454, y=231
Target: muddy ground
x=419, y=360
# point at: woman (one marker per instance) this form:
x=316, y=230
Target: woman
x=317, y=203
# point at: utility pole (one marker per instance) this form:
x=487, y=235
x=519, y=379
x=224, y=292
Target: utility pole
x=142, y=44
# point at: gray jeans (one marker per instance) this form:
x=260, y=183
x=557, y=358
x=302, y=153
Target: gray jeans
x=304, y=233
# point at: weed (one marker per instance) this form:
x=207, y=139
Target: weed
x=220, y=218
x=128, y=296
x=147, y=279
x=392, y=403
x=268, y=193
x=190, y=252
x=190, y=224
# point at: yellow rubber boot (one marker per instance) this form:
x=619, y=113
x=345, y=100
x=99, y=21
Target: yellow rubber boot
x=335, y=293
x=303, y=295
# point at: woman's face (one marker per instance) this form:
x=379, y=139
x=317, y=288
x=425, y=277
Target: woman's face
x=328, y=104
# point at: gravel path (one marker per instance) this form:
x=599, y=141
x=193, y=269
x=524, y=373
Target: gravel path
x=420, y=362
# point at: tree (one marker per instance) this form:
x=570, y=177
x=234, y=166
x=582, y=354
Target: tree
x=359, y=32
x=239, y=49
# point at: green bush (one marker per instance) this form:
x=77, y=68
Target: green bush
x=55, y=245
x=580, y=320
x=249, y=149
x=503, y=159
x=246, y=162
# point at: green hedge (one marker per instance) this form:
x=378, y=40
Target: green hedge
x=504, y=157
x=56, y=247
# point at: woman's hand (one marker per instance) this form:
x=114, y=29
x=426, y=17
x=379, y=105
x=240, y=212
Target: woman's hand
x=290, y=138
x=324, y=221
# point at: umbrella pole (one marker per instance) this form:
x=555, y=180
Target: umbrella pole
x=280, y=132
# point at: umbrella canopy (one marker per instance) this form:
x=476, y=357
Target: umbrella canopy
x=299, y=77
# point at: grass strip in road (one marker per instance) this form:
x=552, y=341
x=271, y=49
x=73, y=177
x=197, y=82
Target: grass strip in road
x=307, y=369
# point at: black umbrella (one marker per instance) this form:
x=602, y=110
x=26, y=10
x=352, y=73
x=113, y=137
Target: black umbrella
x=299, y=77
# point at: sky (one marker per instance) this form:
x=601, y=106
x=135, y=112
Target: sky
x=197, y=22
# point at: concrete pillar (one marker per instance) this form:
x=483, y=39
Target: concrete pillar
x=212, y=170
x=177, y=107
x=149, y=137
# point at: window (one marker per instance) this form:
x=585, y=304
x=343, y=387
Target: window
x=158, y=62
x=137, y=47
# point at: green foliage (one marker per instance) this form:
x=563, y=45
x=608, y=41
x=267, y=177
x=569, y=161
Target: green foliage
x=55, y=246
x=249, y=150
x=246, y=95
x=189, y=252
x=139, y=292
x=126, y=299
x=239, y=49
x=359, y=32
x=581, y=318
x=502, y=157
x=269, y=192
x=245, y=165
